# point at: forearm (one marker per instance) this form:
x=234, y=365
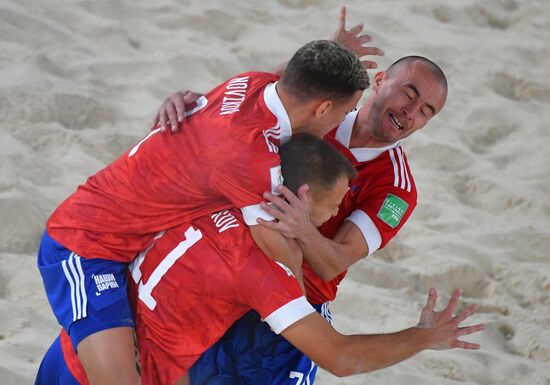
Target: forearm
x=327, y=257
x=367, y=353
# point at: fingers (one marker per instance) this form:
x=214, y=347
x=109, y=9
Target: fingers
x=272, y=210
x=190, y=97
x=274, y=225
x=269, y=224
x=342, y=19
x=432, y=300
x=167, y=115
x=162, y=118
x=451, y=306
x=370, y=51
x=289, y=195
x=364, y=39
x=172, y=114
x=466, y=345
x=277, y=201
x=470, y=330
x=465, y=313
x=179, y=103
x=356, y=29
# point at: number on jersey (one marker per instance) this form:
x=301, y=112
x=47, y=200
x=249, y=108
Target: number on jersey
x=145, y=290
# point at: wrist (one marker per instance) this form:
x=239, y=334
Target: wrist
x=306, y=232
x=422, y=337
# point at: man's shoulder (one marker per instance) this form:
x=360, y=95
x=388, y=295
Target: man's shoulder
x=226, y=229
x=390, y=167
x=239, y=101
x=387, y=174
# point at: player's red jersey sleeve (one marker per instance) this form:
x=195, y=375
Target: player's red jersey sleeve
x=268, y=286
x=245, y=172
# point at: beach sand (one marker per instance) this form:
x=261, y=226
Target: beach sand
x=80, y=82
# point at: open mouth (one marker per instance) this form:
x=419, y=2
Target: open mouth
x=396, y=122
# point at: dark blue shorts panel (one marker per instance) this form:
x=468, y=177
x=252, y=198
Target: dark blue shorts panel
x=86, y=295
x=53, y=370
x=251, y=354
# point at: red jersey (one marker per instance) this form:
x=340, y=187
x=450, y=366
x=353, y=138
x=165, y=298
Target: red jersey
x=225, y=156
x=380, y=200
x=194, y=282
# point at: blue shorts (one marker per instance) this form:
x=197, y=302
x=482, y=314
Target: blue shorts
x=250, y=353
x=53, y=369
x=86, y=295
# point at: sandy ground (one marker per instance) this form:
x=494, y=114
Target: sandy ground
x=81, y=80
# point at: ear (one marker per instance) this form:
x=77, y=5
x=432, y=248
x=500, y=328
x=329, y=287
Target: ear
x=322, y=108
x=378, y=80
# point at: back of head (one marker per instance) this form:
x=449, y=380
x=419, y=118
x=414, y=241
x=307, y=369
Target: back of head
x=322, y=69
x=307, y=159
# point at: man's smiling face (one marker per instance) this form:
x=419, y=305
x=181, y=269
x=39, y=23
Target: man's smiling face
x=404, y=100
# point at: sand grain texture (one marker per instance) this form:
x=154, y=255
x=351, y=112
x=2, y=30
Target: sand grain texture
x=81, y=80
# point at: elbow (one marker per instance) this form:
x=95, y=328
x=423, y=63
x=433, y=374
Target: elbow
x=344, y=364
x=340, y=369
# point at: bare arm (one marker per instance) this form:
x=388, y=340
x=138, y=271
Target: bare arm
x=280, y=249
x=346, y=355
x=327, y=257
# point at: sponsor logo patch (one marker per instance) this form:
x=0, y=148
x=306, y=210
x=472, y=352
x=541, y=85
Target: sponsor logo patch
x=276, y=179
x=104, y=282
x=392, y=210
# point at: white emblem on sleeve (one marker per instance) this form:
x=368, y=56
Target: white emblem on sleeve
x=276, y=179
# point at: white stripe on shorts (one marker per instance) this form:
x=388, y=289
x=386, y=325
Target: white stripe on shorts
x=72, y=285
x=76, y=278
x=82, y=286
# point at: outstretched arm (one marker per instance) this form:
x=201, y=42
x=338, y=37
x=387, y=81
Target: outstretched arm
x=346, y=355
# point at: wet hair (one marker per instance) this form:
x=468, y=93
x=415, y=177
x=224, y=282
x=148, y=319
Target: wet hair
x=322, y=69
x=434, y=68
x=307, y=159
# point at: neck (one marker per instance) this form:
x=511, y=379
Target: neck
x=297, y=114
x=363, y=129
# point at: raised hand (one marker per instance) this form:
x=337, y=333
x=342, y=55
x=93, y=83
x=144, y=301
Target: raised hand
x=444, y=327
x=172, y=110
x=355, y=41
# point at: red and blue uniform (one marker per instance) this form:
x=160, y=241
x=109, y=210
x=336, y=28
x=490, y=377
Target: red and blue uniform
x=380, y=200
x=226, y=156
x=190, y=286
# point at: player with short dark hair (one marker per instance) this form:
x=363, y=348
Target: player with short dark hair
x=227, y=158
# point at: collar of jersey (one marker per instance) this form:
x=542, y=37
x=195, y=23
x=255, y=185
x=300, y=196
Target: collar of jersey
x=361, y=154
x=273, y=102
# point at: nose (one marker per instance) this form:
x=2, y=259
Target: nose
x=409, y=112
